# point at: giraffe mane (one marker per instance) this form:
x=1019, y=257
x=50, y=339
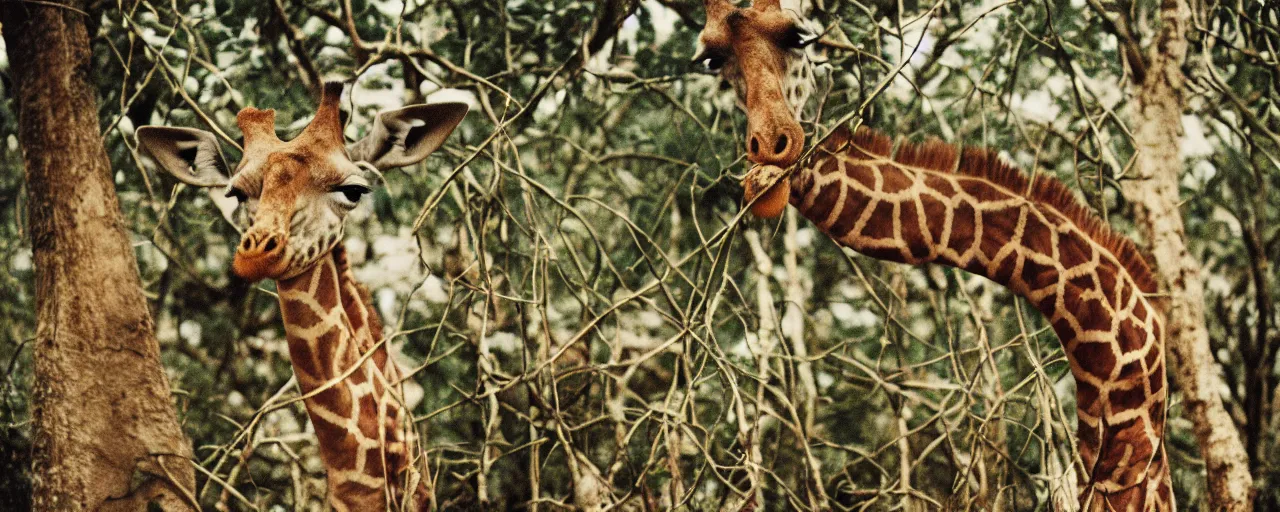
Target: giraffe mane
x=936, y=155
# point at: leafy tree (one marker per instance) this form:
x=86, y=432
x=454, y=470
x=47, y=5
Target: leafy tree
x=590, y=315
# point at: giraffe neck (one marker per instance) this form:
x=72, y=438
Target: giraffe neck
x=929, y=204
x=352, y=387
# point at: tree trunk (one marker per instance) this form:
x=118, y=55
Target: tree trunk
x=1157, y=125
x=105, y=433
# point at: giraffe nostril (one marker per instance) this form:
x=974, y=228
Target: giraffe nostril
x=271, y=245
x=244, y=244
x=781, y=146
x=755, y=146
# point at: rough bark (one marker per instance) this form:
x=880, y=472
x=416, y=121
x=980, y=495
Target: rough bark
x=105, y=433
x=1157, y=126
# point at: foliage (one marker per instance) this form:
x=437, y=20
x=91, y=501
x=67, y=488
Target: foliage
x=577, y=293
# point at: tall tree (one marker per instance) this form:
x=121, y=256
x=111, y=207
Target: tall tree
x=106, y=436
x=1157, y=119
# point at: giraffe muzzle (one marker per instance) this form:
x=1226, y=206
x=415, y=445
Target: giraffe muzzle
x=259, y=256
x=771, y=185
x=774, y=135
x=780, y=146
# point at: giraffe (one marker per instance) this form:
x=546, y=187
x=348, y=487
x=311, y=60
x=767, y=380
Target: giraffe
x=293, y=197
x=935, y=203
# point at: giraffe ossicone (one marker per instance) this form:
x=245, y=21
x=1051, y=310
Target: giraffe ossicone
x=936, y=203
x=293, y=198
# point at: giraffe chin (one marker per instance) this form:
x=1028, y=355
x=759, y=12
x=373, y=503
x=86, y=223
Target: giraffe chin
x=776, y=195
x=254, y=269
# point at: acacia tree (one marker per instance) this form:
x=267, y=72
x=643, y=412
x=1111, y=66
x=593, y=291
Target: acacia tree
x=1157, y=126
x=105, y=433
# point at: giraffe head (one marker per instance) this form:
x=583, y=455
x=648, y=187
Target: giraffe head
x=294, y=195
x=759, y=51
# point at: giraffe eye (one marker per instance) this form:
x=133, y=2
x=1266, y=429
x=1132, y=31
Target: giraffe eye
x=797, y=38
x=713, y=64
x=238, y=194
x=349, y=194
x=709, y=62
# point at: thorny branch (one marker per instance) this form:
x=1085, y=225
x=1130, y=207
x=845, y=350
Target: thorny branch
x=587, y=315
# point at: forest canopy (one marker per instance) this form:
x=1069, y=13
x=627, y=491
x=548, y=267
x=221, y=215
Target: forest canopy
x=577, y=294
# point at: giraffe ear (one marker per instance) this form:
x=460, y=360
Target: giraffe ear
x=408, y=135
x=192, y=156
